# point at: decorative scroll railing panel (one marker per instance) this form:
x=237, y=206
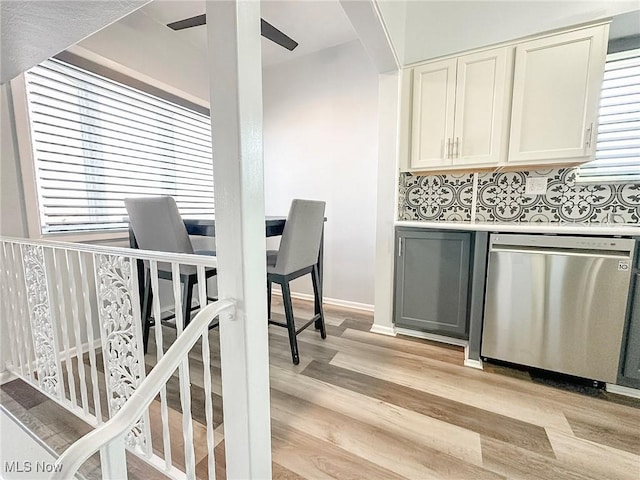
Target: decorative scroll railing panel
x=73, y=314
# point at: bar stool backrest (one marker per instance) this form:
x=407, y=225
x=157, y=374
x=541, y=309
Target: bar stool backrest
x=300, y=243
x=157, y=224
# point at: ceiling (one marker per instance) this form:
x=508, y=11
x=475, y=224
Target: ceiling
x=315, y=25
x=31, y=32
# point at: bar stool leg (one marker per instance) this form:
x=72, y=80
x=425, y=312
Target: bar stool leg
x=146, y=311
x=291, y=326
x=315, y=278
x=268, y=299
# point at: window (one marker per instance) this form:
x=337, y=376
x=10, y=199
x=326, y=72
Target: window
x=96, y=141
x=618, y=145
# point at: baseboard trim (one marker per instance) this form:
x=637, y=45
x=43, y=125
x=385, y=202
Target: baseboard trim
x=336, y=302
x=6, y=376
x=473, y=363
x=470, y=362
x=383, y=330
x=432, y=336
x=621, y=390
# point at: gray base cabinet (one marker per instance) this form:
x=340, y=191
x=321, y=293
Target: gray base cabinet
x=432, y=281
x=630, y=360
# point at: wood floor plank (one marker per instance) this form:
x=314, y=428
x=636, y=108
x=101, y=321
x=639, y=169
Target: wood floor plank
x=202, y=467
x=454, y=355
x=370, y=442
x=306, y=349
x=445, y=382
x=282, y=358
x=278, y=472
x=353, y=324
x=344, y=344
x=313, y=458
x=176, y=436
x=279, y=355
x=334, y=330
x=196, y=378
x=104, y=404
x=25, y=395
x=541, y=395
x=607, y=431
x=463, y=384
x=197, y=402
x=455, y=441
x=66, y=427
x=365, y=316
x=481, y=421
x=196, y=373
x=519, y=463
x=594, y=459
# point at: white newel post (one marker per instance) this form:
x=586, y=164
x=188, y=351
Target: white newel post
x=235, y=77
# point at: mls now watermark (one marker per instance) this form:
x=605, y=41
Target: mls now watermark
x=31, y=467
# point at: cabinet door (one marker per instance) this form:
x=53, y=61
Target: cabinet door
x=432, y=116
x=432, y=277
x=556, y=89
x=480, y=117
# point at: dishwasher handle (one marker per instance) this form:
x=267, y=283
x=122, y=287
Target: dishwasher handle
x=569, y=252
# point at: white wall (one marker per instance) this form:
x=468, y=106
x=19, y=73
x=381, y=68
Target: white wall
x=12, y=212
x=444, y=27
x=320, y=142
x=320, y=116
x=331, y=99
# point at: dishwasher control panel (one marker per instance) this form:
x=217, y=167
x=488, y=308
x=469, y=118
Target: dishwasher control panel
x=624, y=245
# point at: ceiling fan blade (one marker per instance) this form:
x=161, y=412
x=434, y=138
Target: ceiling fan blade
x=272, y=33
x=188, y=22
x=267, y=30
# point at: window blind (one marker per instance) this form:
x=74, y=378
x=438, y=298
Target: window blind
x=617, y=156
x=97, y=142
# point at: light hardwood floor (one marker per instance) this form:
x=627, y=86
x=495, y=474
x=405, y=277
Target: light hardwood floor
x=362, y=405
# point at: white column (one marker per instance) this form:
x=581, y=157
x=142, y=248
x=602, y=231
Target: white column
x=233, y=31
x=388, y=104
x=368, y=24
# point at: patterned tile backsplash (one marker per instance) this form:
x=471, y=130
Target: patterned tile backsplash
x=500, y=197
x=446, y=198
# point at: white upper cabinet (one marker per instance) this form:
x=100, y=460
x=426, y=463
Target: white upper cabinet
x=556, y=89
x=481, y=118
x=526, y=103
x=433, y=109
x=458, y=111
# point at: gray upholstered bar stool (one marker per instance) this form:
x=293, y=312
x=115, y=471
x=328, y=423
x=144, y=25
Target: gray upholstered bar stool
x=157, y=225
x=297, y=256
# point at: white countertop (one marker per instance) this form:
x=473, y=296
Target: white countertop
x=565, y=228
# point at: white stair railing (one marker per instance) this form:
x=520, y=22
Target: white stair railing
x=109, y=437
x=73, y=317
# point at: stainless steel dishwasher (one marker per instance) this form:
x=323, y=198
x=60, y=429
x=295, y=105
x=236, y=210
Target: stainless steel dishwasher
x=557, y=303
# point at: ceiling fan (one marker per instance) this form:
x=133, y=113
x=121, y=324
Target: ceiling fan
x=266, y=29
